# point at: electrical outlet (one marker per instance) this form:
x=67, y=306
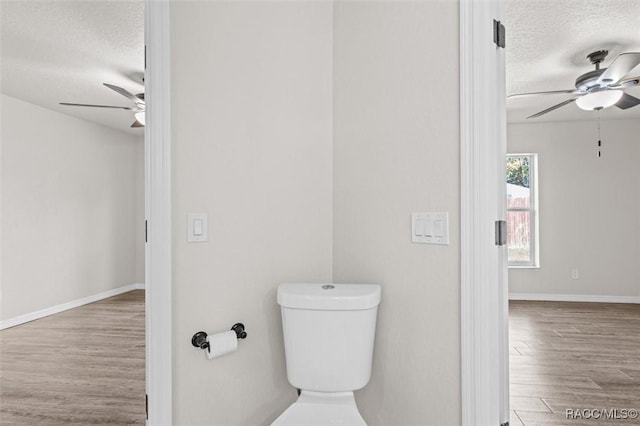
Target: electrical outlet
x=575, y=274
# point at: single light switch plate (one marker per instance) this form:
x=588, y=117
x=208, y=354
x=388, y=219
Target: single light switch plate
x=198, y=228
x=430, y=228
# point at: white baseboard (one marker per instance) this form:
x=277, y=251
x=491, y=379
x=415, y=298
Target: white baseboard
x=574, y=298
x=12, y=322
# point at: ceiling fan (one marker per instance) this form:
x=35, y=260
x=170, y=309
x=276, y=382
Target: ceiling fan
x=137, y=99
x=600, y=88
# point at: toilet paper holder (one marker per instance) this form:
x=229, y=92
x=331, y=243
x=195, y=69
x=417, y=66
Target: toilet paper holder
x=199, y=340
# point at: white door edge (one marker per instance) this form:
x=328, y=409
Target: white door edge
x=158, y=213
x=483, y=295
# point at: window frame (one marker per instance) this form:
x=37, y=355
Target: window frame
x=533, y=209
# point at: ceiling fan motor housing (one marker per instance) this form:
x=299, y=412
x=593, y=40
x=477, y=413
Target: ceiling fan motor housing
x=589, y=80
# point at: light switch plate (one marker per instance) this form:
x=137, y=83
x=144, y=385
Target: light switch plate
x=197, y=228
x=430, y=228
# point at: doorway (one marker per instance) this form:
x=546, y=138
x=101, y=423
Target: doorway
x=567, y=363
x=73, y=311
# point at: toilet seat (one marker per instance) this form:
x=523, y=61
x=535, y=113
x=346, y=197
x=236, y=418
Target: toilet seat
x=322, y=409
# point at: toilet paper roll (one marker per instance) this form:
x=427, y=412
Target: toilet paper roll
x=221, y=344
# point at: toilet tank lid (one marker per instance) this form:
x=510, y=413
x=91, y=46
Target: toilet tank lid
x=329, y=296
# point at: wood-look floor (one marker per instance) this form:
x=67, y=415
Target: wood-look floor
x=573, y=356
x=84, y=366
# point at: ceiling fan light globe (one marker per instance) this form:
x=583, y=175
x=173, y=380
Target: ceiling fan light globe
x=599, y=100
x=141, y=118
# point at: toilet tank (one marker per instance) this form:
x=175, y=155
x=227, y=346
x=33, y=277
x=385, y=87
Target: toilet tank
x=329, y=332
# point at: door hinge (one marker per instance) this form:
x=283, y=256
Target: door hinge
x=501, y=232
x=146, y=405
x=146, y=239
x=499, y=34
x=145, y=57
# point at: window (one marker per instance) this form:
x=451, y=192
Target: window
x=522, y=210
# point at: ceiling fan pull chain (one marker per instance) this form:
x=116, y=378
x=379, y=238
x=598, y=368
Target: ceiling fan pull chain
x=599, y=137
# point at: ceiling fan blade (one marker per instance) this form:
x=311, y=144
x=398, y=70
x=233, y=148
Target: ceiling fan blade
x=551, y=92
x=561, y=104
x=620, y=66
x=627, y=101
x=123, y=92
x=97, y=106
x=137, y=124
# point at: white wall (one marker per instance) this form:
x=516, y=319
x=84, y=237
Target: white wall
x=251, y=123
x=252, y=138
x=396, y=151
x=589, y=207
x=68, y=208
x=257, y=88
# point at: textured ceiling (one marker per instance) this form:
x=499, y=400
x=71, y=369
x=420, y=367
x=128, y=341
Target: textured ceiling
x=547, y=45
x=62, y=51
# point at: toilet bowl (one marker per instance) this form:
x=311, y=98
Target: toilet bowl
x=322, y=409
x=328, y=332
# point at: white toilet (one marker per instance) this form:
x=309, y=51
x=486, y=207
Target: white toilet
x=328, y=331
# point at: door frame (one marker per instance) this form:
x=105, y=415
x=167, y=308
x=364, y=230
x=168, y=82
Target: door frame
x=483, y=292
x=157, y=143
